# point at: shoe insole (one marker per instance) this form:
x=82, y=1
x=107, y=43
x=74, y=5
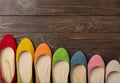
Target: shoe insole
x=97, y=75
x=7, y=64
x=60, y=72
x=113, y=77
x=43, y=69
x=25, y=67
x=78, y=74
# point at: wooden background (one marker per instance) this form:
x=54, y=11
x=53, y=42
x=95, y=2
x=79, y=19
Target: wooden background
x=92, y=26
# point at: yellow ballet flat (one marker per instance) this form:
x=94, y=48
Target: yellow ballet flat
x=24, y=61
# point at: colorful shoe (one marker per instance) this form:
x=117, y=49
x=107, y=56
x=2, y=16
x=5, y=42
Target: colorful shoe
x=113, y=72
x=78, y=68
x=96, y=69
x=42, y=63
x=24, y=61
x=7, y=59
x=60, y=66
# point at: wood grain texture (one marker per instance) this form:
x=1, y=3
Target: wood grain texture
x=92, y=26
x=59, y=7
x=60, y=24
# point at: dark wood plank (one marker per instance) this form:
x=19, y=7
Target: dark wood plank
x=59, y=7
x=60, y=24
x=107, y=45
